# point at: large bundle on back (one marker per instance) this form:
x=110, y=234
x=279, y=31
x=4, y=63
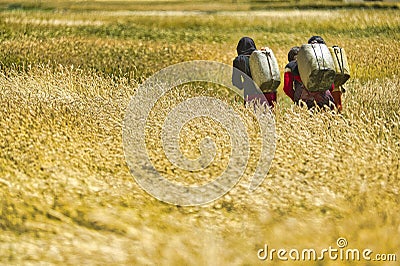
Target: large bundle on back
x=341, y=65
x=265, y=70
x=316, y=67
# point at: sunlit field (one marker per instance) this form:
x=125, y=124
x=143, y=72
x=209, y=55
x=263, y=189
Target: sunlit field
x=66, y=193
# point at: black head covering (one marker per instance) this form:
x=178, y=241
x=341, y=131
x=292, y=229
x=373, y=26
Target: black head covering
x=246, y=46
x=316, y=39
x=293, y=51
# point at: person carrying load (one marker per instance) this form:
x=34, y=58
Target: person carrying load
x=317, y=88
x=341, y=68
x=261, y=66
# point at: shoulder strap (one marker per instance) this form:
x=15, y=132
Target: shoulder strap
x=340, y=61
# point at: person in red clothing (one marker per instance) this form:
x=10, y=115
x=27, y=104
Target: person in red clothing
x=295, y=89
x=244, y=49
x=336, y=92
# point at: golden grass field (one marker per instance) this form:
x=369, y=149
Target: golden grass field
x=67, y=196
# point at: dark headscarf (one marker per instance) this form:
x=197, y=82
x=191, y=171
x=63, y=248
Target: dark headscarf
x=316, y=39
x=292, y=53
x=246, y=46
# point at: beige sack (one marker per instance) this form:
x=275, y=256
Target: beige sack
x=341, y=66
x=264, y=70
x=316, y=67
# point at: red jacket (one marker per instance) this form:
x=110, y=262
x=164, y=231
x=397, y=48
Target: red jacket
x=295, y=90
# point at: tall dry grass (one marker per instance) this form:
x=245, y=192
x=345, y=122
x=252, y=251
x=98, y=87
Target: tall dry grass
x=66, y=193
